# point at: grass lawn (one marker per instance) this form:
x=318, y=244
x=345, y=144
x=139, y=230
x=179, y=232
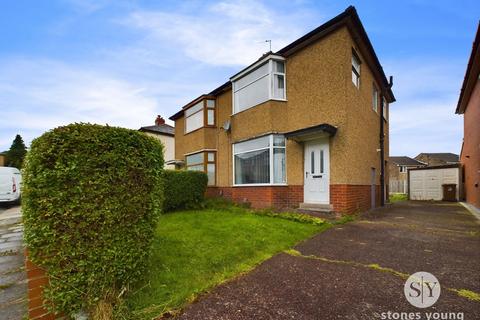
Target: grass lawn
x=396, y=197
x=196, y=250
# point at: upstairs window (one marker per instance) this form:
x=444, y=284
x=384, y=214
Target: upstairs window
x=203, y=161
x=200, y=115
x=355, y=69
x=265, y=82
x=385, y=109
x=375, y=98
x=403, y=169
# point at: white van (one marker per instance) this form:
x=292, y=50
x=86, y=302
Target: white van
x=10, y=184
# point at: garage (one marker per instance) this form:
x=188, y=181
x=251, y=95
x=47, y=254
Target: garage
x=427, y=183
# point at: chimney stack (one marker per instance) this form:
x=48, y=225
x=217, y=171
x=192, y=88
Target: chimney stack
x=159, y=120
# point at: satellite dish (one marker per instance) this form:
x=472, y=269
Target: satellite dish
x=227, y=125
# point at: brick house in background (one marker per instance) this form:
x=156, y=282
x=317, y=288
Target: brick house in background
x=398, y=172
x=438, y=159
x=305, y=126
x=469, y=106
x=166, y=134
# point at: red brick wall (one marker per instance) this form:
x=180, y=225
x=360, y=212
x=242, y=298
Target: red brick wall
x=261, y=196
x=36, y=280
x=343, y=197
x=348, y=198
x=470, y=157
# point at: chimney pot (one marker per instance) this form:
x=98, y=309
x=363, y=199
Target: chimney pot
x=159, y=120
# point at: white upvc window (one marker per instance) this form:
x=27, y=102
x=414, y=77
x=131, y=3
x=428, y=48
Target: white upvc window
x=199, y=115
x=266, y=81
x=355, y=69
x=385, y=108
x=375, y=98
x=403, y=169
x=260, y=161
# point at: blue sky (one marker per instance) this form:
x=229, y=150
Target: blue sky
x=123, y=62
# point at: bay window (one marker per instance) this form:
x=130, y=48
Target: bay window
x=203, y=161
x=202, y=114
x=264, y=82
x=260, y=161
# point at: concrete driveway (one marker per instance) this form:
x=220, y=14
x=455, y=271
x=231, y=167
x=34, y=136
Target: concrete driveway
x=13, y=287
x=358, y=270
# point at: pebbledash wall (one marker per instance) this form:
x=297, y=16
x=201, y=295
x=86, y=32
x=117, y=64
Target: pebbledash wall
x=319, y=89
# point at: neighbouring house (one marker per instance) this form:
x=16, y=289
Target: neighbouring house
x=397, y=172
x=166, y=134
x=304, y=126
x=469, y=106
x=438, y=159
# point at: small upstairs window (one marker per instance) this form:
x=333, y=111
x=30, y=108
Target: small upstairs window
x=375, y=98
x=202, y=114
x=385, y=108
x=355, y=69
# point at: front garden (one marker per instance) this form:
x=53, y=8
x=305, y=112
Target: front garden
x=195, y=250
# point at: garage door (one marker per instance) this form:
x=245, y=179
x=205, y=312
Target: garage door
x=426, y=184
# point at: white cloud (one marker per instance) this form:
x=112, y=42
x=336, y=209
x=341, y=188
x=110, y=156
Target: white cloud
x=226, y=33
x=37, y=95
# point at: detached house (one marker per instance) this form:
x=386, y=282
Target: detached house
x=438, y=159
x=305, y=126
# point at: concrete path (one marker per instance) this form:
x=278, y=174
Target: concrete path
x=13, y=287
x=358, y=270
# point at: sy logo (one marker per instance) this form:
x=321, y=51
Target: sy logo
x=422, y=289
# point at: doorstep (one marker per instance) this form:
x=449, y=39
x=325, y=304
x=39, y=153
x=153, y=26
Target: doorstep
x=317, y=210
x=316, y=207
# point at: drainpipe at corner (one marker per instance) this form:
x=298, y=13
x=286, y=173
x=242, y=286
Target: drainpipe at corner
x=382, y=155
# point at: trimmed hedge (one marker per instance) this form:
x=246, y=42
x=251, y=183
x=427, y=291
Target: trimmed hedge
x=184, y=189
x=91, y=198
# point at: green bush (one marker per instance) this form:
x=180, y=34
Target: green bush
x=184, y=189
x=91, y=198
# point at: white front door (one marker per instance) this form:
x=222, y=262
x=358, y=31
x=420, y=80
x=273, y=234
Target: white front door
x=317, y=172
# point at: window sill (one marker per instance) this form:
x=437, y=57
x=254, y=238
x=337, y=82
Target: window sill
x=260, y=185
x=281, y=100
x=204, y=127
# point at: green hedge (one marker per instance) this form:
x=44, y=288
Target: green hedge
x=91, y=198
x=184, y=189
